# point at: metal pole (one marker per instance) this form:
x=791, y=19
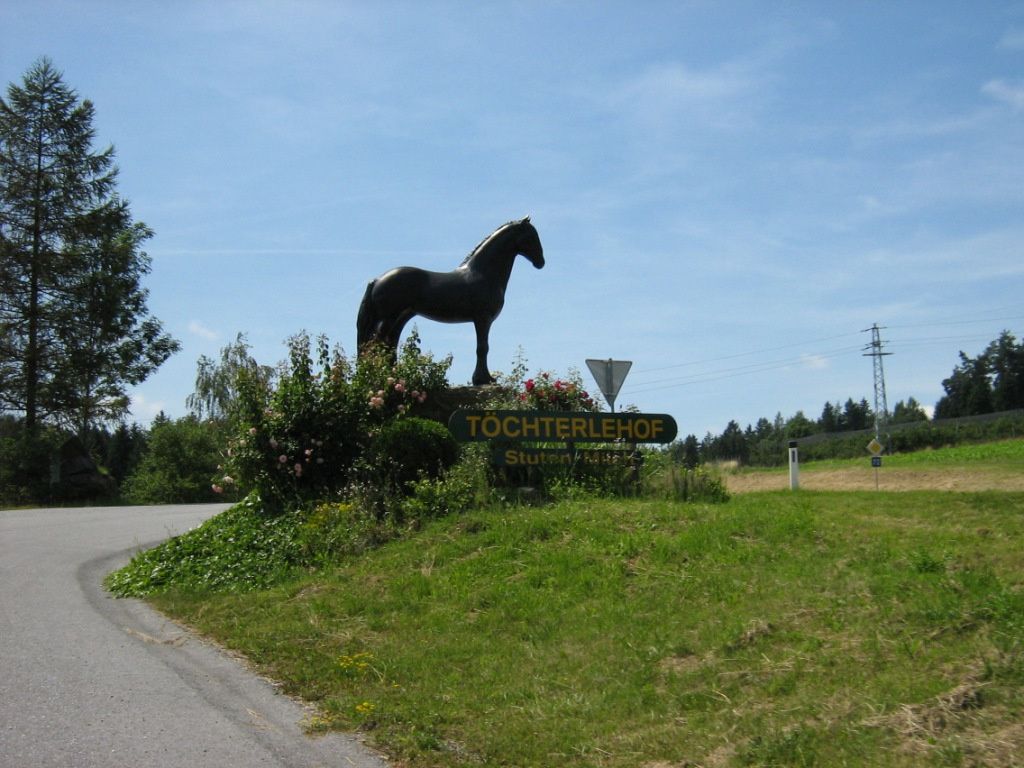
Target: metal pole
x=794, y=466
x=608, y=383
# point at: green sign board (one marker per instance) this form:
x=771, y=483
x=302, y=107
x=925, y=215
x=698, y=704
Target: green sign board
x=558, y=426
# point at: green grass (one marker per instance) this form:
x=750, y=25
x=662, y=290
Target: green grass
x=1011, y=451
x=1008, y=453
x=992, y=461
x=778, y=629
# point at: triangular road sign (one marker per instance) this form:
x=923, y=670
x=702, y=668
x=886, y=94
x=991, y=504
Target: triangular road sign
x=609, y=375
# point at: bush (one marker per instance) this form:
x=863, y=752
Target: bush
x=176, y=467
x=691, y=485
x=297, y=440
x=410, y=449
x=25, y=464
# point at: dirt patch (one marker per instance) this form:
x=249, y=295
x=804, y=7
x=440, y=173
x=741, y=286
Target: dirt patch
x=865, y=479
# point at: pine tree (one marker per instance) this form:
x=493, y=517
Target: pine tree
x=74, y=328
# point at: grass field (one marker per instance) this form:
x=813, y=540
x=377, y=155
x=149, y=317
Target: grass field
x=778, y=629
x=990, y=466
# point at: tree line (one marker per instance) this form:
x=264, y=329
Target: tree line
x=991, y=382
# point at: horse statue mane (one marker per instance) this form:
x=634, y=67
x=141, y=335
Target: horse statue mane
x=490, y=237
x=474, y=292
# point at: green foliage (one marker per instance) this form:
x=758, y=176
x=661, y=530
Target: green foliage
x=298, y=438
x=331, y=532
x=907, y=412
x=180, y=457
x=121, y=450
x=667, y=480
x=406, y=450
x=73, y=310
x=549, y=392
x=216, y=392
x=25, y=463
x=237, y=549
x=991, y=382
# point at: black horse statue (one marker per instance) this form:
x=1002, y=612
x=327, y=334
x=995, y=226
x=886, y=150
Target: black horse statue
x=474, y=292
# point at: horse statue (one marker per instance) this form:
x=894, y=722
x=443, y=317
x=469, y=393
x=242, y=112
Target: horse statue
x=474, y=292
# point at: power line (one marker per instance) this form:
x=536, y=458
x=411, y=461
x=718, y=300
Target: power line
x=725, y=373
x=743, y=354
x=961, y=322
x=743, y=370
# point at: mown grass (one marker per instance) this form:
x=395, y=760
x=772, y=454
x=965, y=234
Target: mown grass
x=778, y=629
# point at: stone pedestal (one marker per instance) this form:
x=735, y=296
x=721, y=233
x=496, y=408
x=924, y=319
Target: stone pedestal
x=439, y=406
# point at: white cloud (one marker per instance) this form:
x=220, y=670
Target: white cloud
x=145, y=410
x=1009, y=93
x=814, y=362
x=1013, y=40
x=197, y=328
x=674, y=94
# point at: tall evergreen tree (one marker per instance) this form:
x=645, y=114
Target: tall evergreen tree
x=1005, y=359
x=907, y=412
x=856, y=415
x=830, y=418
x=968, y=389
x=74, y=328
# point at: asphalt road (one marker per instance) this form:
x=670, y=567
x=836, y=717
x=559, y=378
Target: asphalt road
x=87, y=681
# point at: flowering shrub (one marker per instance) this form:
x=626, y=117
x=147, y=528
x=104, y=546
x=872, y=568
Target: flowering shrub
x=297, y=438
x=550, y=393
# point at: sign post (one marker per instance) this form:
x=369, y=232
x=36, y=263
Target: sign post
x=609, y=375
x=794, y=466
x=875, y=448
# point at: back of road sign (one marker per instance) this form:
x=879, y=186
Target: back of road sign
x=609, y=375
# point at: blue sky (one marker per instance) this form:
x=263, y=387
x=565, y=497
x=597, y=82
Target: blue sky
x=728, y=193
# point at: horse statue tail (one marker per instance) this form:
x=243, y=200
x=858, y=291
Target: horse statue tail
x=367, y=318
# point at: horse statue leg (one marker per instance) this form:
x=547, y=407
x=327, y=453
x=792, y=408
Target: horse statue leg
x=481, y=375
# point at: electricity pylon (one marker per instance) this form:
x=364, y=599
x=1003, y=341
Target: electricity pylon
x=874, y=350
